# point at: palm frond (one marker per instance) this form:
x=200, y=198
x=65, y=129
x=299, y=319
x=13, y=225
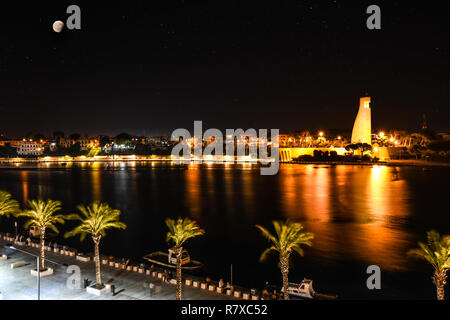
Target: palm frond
x=266, y=233
x=42, y=214
x=436, y=251
x=299, y=250
x=288, y=237
x=181, y=230
x=8, y=205
x=95, y=220
x=265, y=253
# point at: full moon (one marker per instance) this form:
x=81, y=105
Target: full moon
x=58, y=26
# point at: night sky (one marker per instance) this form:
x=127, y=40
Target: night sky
x=148, y=67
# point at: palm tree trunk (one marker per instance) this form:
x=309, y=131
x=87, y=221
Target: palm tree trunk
x=97, y=261
x=179, y=283
x=439, y=280
x=284, y=262
x=42, y=255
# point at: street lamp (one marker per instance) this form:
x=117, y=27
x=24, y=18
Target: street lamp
x=37, y=268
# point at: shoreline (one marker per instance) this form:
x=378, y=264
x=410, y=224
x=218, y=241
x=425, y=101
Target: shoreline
x=391, y=163
x=17, y=163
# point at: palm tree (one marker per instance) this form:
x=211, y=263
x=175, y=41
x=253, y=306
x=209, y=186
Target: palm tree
x=42, y=215
x=289, y=237
x=7, y=204
x=437, y=253
x=95, y=220
x=180, y=231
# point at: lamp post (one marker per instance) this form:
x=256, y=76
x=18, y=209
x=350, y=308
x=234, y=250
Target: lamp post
x=231, y=276
x=38, y=269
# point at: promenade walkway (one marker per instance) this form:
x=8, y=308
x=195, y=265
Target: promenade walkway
x=19, y=284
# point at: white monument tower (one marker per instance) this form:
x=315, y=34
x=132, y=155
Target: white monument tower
x=362, y=128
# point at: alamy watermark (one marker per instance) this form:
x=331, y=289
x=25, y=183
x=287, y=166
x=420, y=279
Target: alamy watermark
x=74, y=20
x=74, y=280
x=374, y=20
x=240, y=145
x=374, y=280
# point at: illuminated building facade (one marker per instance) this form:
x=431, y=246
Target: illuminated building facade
x=30, y=148
x=88, y=143
x=362, y=128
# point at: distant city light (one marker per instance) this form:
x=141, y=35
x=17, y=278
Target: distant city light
x=381, y=134
x=321, y=133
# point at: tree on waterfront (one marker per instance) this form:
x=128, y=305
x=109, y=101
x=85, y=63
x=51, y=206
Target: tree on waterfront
x=437, y=253
x=42, y=214
x=58, y=135
x=288, y=238
x=74, y=136
x=7, y=204
x=95, y=220
x=123, y=138
x=180, y=231
x=361, y=147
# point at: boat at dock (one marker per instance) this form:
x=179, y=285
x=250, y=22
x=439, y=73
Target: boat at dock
x=169, y=260
x=305, y=290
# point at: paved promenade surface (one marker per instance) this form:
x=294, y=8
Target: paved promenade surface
x=19, y=284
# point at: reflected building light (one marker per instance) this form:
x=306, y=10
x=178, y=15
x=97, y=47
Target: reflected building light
x=96, y=183
x=193, y=190
x=24, y=176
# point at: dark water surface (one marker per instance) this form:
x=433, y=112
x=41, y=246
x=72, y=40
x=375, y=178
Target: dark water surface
x=360, y=215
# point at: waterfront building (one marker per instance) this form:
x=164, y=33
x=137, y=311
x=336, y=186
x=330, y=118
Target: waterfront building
x=65, y=143
x=292, y=140
x=11, y=143
x=283, y=140
x=52, y=145
x=87, y=143
x=158, y=141
x=30, y=148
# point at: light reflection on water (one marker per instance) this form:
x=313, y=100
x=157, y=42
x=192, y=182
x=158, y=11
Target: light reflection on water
x=353, y=212
x=360, y=215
